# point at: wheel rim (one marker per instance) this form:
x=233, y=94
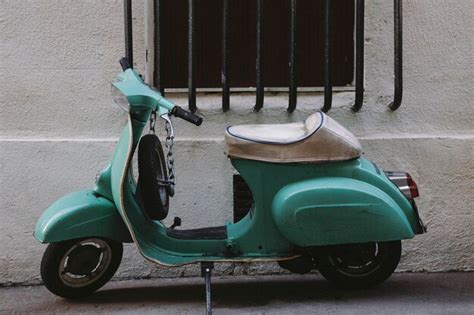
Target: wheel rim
x=356, y=259
x=85, y=262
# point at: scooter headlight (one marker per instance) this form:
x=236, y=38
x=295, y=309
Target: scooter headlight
x=120, y=99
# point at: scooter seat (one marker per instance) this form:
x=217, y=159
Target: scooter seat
x=318, y=139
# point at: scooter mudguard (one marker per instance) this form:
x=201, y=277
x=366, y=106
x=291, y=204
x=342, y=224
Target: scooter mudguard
x=81, y=214
x=334, y=210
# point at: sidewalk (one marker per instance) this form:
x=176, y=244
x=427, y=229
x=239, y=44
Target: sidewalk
x=441, y=293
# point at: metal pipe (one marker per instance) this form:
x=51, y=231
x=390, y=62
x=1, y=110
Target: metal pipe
x=225, y=57
x=359, y=83
x=327, y=57
x=127, y=6
x=158, y=58
x=398, y=55
x=191, y=58
x=206, y=272
x=208, y=291
x=293, y=86
x=259, y=60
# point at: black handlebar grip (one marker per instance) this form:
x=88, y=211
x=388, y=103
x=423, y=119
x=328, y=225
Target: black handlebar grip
x=188, y=116
x=125, y=63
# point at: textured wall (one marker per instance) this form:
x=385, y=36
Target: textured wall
x=58, y=125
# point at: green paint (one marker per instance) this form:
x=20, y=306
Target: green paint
x=290, y=202
x=81, y=214
x=324, y=211
x=295, y=205
x=313, y=204
x=142, y=97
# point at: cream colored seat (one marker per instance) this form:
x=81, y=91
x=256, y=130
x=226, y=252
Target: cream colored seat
x=318, y=139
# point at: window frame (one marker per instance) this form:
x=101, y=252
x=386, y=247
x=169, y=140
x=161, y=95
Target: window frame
x=149, y=65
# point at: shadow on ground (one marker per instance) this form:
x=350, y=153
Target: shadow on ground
x=296, y=294
x=252, y=292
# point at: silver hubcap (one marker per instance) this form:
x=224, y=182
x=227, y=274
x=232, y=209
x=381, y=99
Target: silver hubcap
x=85, y=262
x=356, y=260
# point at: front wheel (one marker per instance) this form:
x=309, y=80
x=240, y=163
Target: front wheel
x=359, y=265
x=77, y=268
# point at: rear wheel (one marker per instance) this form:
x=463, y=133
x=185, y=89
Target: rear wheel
x=77, y=268
x=359, y=265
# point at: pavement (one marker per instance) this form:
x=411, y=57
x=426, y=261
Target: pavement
x=403, y=293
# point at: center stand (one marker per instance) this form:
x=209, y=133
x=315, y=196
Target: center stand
x=206, y=271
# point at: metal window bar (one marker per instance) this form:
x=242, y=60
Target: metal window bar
x=191, y=57
x=225, y=57
x=127, y=8
x=359, y=81
x=293, y=86
x=398, y=54
x=327, y=57
x=157, y=57
x=259, y=60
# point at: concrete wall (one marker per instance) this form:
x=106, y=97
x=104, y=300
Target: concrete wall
x=58, y=125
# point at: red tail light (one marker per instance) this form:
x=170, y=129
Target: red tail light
x=405, y=184
x=412, y=185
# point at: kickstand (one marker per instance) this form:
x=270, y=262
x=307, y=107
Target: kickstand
x=206, y=270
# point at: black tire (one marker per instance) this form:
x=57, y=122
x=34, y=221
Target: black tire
x=359, y=265
x=151, y=169
x=56, y=262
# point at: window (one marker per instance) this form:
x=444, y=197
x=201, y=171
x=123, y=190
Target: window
x=242, y=41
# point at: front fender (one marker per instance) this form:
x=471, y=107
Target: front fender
x=325, y=211
x=81, y=214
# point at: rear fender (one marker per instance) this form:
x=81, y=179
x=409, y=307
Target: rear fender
x=81, y=214
x=325, y=211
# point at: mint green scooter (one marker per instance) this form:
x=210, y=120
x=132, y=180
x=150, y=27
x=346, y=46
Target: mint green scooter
x=304, y=198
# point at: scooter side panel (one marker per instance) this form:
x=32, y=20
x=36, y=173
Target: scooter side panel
x=81, y=214
x=325, y=211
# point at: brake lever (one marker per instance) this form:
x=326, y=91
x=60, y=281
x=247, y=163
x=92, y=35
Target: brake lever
x=167, y=118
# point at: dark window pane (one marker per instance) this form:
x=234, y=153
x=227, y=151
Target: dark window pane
x=242, y=41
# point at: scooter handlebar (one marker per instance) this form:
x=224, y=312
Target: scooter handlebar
x=125, y=63
x=188, y=116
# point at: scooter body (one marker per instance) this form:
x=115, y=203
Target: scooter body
x=295, y=205
x=298, y=210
